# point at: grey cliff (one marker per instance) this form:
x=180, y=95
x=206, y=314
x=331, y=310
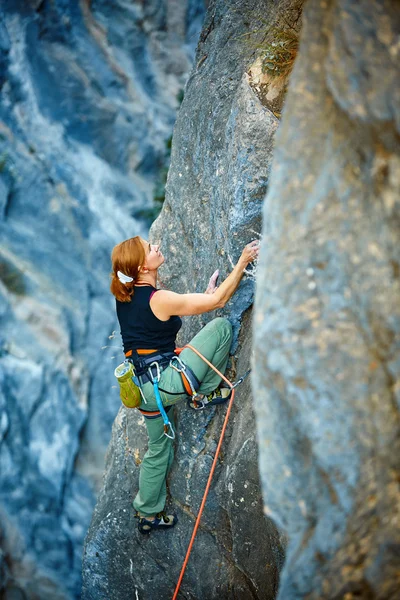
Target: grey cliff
x=327, y=317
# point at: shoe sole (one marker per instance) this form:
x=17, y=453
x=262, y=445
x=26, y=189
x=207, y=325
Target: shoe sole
x=147, y=531
x=212, y=403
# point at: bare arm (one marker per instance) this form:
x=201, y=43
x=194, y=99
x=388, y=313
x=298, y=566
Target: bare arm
x=164, y=304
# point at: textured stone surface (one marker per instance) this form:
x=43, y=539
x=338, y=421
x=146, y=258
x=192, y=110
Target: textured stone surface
x=220, y=163
x=237, y=552
x=89, y=95
x=327, y=319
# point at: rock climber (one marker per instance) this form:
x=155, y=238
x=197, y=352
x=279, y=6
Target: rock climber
x=149, y=326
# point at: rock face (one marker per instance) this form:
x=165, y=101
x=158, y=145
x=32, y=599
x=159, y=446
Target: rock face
x=220, y=163
x=327, y=318
x=89, y=95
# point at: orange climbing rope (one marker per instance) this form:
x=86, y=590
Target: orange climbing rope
x=196, y=526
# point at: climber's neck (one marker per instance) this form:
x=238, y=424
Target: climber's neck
x=149, y=278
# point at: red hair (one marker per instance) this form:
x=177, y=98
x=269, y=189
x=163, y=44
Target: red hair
x=127, y=257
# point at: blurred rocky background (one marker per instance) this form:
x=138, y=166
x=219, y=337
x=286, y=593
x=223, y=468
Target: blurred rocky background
x=89, y=93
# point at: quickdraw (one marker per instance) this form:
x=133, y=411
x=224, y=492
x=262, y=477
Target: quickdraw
x=155, y=379
x=241, y=379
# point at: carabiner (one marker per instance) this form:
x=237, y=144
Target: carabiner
x=155, y=378
x=171, y=437
x=239, y=381
x=192, y=403
x=183, y=367
x=182, y=371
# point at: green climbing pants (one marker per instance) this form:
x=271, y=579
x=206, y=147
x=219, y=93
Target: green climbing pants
x=214, y=342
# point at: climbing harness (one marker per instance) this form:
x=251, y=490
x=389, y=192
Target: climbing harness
x=141, y=366
x=146, y=366
x=196, y=526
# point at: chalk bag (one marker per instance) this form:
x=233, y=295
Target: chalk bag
x=129, y=392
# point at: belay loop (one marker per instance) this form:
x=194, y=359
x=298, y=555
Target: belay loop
x=155, y=379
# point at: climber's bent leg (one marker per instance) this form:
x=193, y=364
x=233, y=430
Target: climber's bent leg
x=156, y=463
x=214, y=342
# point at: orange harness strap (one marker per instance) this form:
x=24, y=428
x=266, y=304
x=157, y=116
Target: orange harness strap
x=186, y=384
x=150, y=413
x=144, y=352
x=140, y=352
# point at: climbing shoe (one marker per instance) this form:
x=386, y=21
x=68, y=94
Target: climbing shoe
x=161, y=521
x=218, y=396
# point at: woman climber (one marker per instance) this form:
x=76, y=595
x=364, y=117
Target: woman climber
x=149, y=325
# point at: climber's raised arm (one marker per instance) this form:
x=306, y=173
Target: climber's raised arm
x=165, y=304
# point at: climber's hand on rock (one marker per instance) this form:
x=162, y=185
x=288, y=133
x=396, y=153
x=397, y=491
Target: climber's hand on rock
x=212, y=284
x=250, y=253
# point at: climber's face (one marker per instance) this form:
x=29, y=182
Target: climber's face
x=154, y=256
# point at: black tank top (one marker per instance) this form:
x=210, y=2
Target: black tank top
x=140, y=328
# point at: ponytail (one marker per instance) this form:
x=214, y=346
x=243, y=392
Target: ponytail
x=127, y=258
x=122, y=291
